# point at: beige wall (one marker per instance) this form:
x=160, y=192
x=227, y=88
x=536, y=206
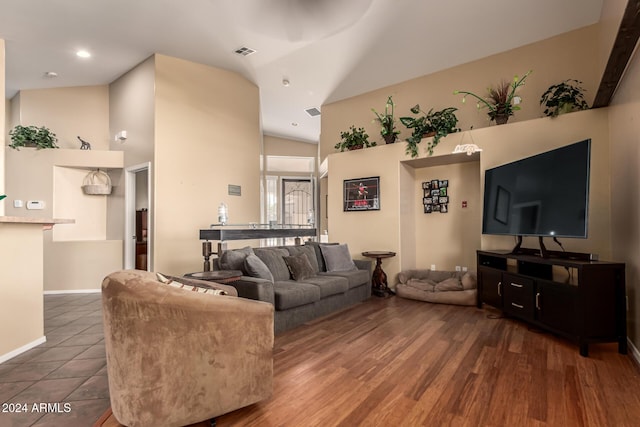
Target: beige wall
x=69, y=112
x=131, y=108
x=21, y=303
x=566, y=56
x=449, y=239
x=4, y=114
x=391, y=227
x=625, y=205
x=275, y=146
x=207, y=133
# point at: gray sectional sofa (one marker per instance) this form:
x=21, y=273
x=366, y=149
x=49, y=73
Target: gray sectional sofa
x=302, y=282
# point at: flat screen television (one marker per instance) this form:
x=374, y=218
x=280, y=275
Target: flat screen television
x=542, y=195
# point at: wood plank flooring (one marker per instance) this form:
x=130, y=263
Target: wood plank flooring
x=399, y=362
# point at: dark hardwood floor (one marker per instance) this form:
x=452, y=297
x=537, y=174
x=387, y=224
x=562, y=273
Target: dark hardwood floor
x=398, y=362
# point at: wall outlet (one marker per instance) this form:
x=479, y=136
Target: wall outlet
x=433, y=267
x=458, y=268
x=464, y=268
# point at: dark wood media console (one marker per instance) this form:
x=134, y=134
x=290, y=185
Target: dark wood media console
x=584, y=301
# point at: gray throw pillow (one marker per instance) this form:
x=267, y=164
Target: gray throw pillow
x=256, y=268
x=234, y=259
x=337, y=257
x=299, y=267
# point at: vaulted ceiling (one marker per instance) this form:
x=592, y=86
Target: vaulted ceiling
x=327, y=50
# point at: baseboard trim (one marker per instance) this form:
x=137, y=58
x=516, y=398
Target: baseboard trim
x=635, y=354
x=73, y=291
x=20, y=350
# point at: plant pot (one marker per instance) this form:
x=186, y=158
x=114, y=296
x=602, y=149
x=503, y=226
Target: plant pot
x=390, y=138
x=501, y=119
x=356, y=147
x=429, y=134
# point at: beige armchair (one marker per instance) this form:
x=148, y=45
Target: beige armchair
x=177, y=357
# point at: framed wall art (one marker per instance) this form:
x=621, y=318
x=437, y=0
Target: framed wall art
x=435, y=195
x=361, y=194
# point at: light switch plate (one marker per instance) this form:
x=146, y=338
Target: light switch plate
x=18, y=204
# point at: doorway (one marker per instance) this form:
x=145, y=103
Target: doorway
x=138, y=218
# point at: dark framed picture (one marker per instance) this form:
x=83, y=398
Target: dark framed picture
x=361, y=194
x=435, y=196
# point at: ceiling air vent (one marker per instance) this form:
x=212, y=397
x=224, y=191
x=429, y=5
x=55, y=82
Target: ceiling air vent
x=244, y=51
x=313, y=112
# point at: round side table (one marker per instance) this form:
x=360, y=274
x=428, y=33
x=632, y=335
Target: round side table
x=379, y=278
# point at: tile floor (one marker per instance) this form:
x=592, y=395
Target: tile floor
x=70, y=368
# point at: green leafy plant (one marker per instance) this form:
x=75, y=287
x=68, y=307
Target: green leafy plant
x=501, y=101
x=32, y=136
x=2, y=196
x=387, y=122
x=354, y=139
x=434, y=123
x=564, y=97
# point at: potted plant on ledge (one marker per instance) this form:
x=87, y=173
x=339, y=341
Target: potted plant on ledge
x=387, y=122
x=434, y=123
x=564, y=97
x=32, y=136
x=501, y=101
x=354, y=139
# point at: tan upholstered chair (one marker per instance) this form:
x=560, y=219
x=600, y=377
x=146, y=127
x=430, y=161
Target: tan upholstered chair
x=177, y=357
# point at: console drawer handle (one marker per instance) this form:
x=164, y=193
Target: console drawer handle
x=517, y=305
x=517, y=285
x=500, y=289
x=538, y=300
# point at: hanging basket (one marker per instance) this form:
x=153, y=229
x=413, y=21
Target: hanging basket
x=96, y=183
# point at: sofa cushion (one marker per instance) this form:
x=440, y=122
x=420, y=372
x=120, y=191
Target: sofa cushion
x=310, y=253
x=329, y=285
x=355, y=278
x=273, y=258
x=451, y=284
x=234, y=259
x=299, y=267
x=255, y=267
x=469, y=281
x=289, y=294
x=426, y=285
x=337, y=257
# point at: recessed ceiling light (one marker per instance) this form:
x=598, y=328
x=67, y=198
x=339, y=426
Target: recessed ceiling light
x=83, y=54
x=294, y=124
x=50, y=74
x=285, y=82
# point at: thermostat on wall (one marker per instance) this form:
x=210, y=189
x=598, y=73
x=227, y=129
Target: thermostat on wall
x=35, y=204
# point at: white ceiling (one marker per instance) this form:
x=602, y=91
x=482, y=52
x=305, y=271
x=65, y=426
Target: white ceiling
x=328, y=49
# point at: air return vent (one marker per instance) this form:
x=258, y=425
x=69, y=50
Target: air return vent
x=244, y=51
x=313, y=112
